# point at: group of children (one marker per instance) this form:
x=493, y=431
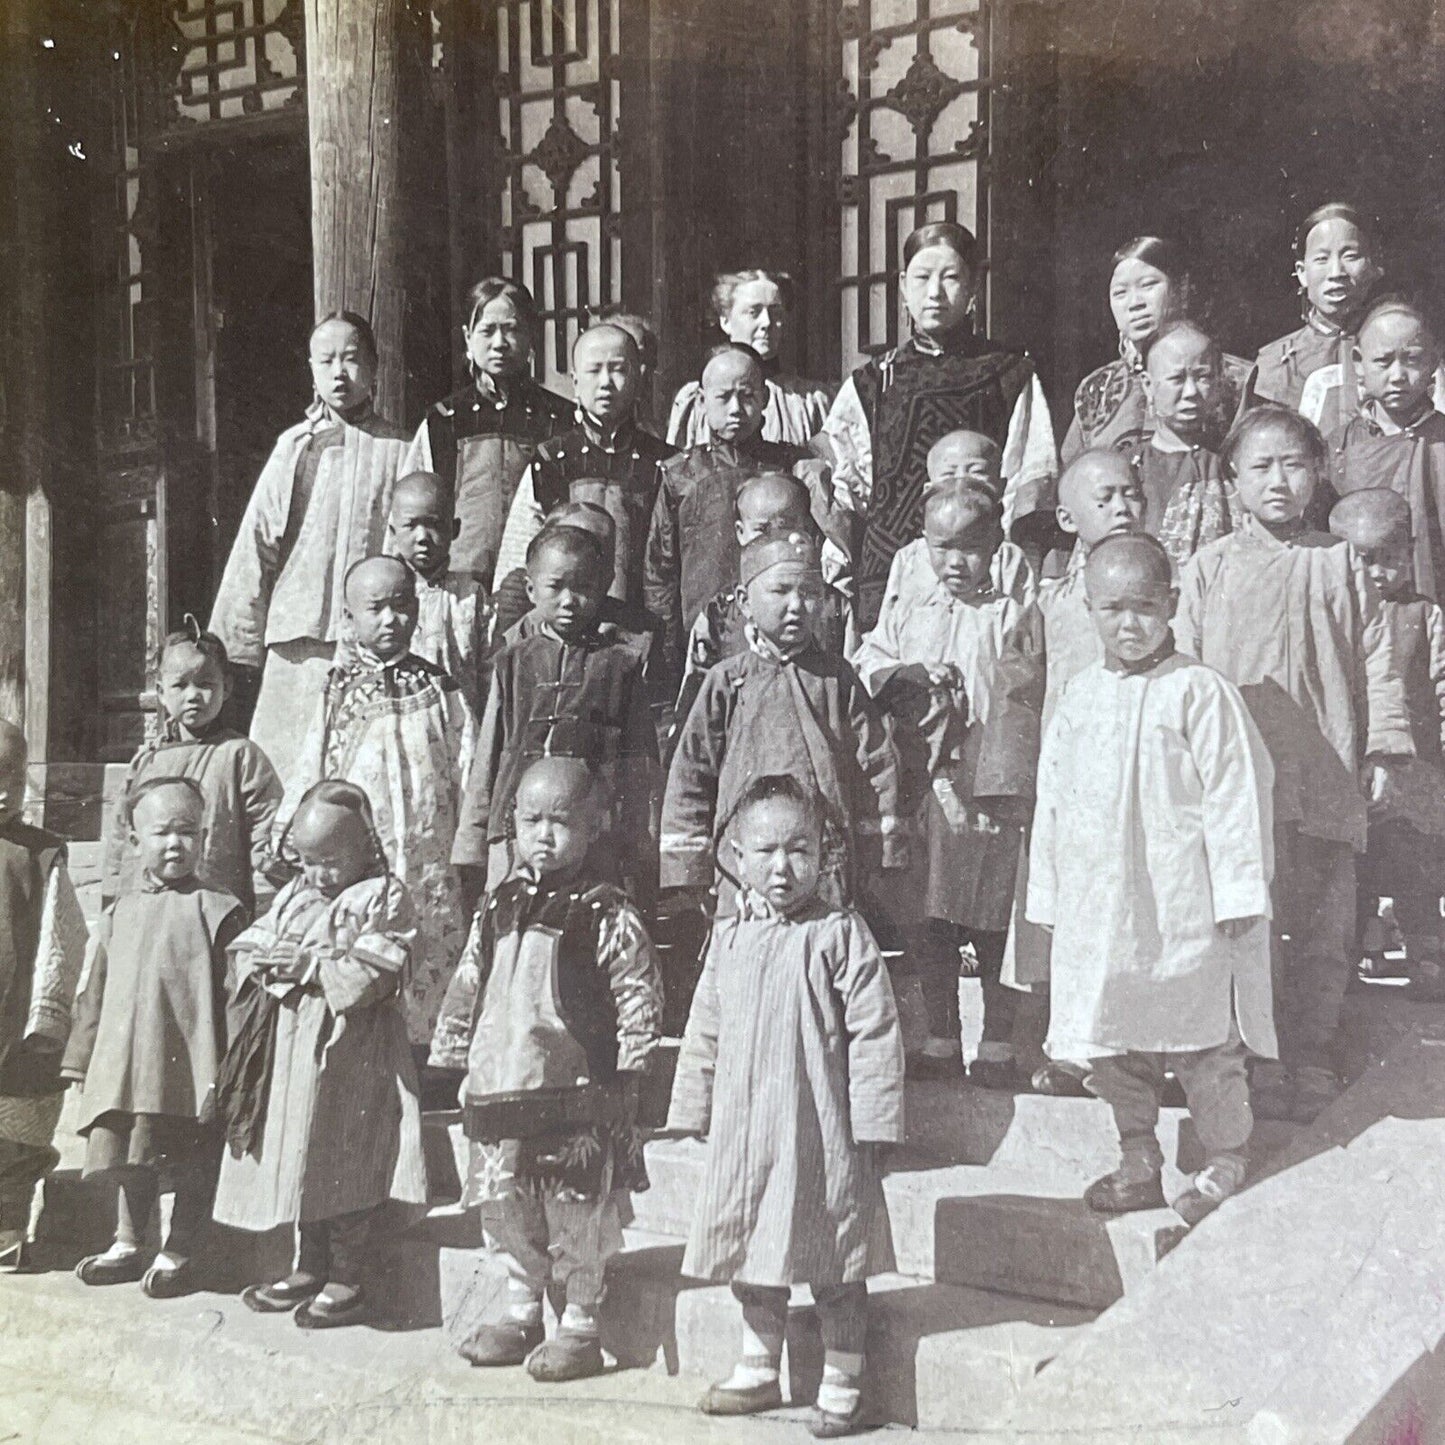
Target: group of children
x=552, y=678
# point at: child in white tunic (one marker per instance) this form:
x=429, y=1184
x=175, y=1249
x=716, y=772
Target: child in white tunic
x=1151, y=863
x=792, y=1064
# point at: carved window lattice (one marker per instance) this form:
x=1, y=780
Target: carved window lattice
x=559, y=89
x=234, y=58
x=913, y=108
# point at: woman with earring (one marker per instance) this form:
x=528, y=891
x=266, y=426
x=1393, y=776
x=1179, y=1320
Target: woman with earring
x=481, y=438
x=753, y=309
x=319, y=505
x=944, y=378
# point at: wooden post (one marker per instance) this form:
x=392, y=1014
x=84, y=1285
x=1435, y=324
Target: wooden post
x=24, y=629
x=357, y=53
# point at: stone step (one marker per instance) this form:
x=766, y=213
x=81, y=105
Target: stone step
x=987, y=1192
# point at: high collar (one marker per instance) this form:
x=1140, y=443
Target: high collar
x=753, y=906
x=1162, y=653
x=363, y=659
x=749, y=449
x=766, y=647
x=1166, y=439
x=951, y=343
x=496, y=393
x=595, y=634
x=1253, y=527
x=1323, y=326
x=1386, y=425
x=322, y=417
x=545, y=884
x=1130, y=355
x=613, y=441
x=216, y=731
x=149, y=883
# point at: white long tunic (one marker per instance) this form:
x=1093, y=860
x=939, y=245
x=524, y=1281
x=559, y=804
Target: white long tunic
x=1153, y=825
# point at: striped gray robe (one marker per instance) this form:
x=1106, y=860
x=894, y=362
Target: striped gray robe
x=793, y=1066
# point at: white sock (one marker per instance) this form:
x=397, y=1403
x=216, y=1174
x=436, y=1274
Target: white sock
x=577, y=1321
x=839, y=1391
x=119, y=1251
x=750, y=1375
x=168, y=1262
x=523, y=1307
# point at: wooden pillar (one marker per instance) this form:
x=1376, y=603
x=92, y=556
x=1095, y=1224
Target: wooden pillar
x=358, y=56
x=24, y=620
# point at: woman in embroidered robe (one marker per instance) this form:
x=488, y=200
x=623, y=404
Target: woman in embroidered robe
x=944, y=378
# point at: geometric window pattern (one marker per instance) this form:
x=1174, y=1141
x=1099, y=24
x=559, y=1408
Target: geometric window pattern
x=559, y=88
x=913, y=102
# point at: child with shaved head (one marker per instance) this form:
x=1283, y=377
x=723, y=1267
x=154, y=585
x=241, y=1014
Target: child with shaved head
x=400, y=729
x=1189, y=501
x=453, y=615
x=1397, y=438
x=1288, y=615
x=554, y=1014
x=1150, y=864
x=692, y=546
x=606, y=444
x=43, y=949
x=1404, y=857
x=930, y=663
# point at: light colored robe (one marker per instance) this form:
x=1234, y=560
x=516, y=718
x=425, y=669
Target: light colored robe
x=284, y=580
x=967, y=877
x=1152, y=826
x=792, y=1065
x=403, y=733
x=453, y=624
x=794, y=412
x=343, y=1117
x=1298, y=628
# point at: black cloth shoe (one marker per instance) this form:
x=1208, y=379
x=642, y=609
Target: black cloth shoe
x=315, y=1315
x=828, y=1425
x=98, y=1269
x=283, y=1296
x=720, y=1400
x=994, y=1074
x=568, y=1357
x=507, y=1343
x=161, y=1283
x=921, y=1066
x=1059, y=1082
x=1116, y=1194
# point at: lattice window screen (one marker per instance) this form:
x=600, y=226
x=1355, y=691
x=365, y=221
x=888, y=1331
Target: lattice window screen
x=914, y=107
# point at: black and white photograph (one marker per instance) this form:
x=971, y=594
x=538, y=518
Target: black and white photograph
x=722, y=722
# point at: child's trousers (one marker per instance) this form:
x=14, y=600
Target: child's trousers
x=22, y=1167
x=1403, y=864
x=933, y=948
x=551, y=1240
x=335, y=1250
x=1215, y=1085
x=1314, y=926
x=842, y=1320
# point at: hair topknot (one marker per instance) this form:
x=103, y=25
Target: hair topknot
x=192, y=634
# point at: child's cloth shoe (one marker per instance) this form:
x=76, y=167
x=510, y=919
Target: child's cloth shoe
x=827, y=1425
x=921, y=1066
x=12, y=1246
x=993, y=1074
x=283, y=1296
x=742, y=1400
x=1059, y=1081
x=1315, y=1089
x=1117, y=1193
x=507, y=1343
x=161, y=1282
x=1271, y=1091
x=1209, y=1188
x=111, y=1268
x=568, y=1357
x=327, y=1312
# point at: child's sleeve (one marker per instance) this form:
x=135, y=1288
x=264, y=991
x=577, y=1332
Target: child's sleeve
x=1030, y=466
x=880, y=654
x=1387, y=709
x=682, y=421
x=243, y=598
x=76, y=1061
x=689, y=805
x=877, y=758
x=704, y=648
x=1189, y=614
x=626, y=952
x=1237, y=779
x=1008, y=738
x=308, y=769
x=875, y=1039
x=1435, y=626
x=638, y=785
x=1043, y=880
x=473, y=820
x=461, y=740
x=851, y=441
x=418, y=455
x=59, y=958
x=524, y=521
x=452, y=1037
x=261, y=794
x=372, y=968
x=690, y=1111
x=662, y=576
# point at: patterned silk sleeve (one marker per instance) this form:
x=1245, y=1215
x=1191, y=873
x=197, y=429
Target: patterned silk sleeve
x=452, y=1038
x=847, y=431
x=626, y=951
x=59, y=957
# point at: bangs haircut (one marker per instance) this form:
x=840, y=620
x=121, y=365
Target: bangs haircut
x=1271, y=415
x=781, y=787
x=573, y=543
x=138, y=792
